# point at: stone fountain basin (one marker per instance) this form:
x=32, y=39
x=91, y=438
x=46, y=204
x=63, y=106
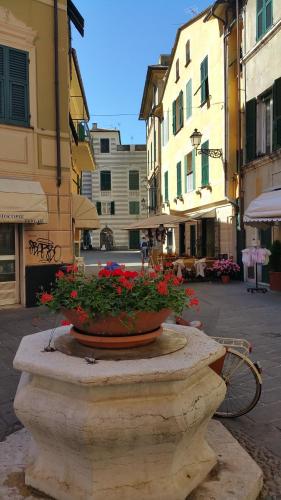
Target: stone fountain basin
x=128, y=429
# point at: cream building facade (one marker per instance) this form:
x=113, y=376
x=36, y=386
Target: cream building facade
x=196, y=185
x=38, y=220
x=118, y=188
x=151, y=112
x=262, y=124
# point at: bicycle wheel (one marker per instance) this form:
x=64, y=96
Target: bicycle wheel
x=243, y=385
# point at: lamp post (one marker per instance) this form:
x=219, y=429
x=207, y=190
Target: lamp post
x=195, y=138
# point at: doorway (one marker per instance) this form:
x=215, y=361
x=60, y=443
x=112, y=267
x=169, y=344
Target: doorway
x=266, y=240
x=134, y=239
x=182, y=239
x=208, y=238
x=9, y=279
x=192, y=242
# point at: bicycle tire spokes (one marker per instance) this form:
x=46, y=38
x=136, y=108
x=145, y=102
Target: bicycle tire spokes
x=243, y=385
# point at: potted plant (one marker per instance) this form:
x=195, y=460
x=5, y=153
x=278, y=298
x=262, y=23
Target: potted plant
x=275, y=266
x=117, y=307
x=225, y=269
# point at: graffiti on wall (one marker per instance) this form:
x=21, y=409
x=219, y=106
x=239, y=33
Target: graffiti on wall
x=45, y=249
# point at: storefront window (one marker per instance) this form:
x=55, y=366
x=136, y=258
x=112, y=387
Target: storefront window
x=7, y=253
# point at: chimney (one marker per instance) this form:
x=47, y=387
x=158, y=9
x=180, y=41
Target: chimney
x=94, y=126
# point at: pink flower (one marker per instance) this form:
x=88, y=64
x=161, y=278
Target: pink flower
x=74, y=294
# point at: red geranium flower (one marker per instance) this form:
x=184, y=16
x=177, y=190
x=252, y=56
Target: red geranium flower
x=162, y=288
x=46, y=297
x=157, y=268
x=59, y=274
x=104, y=273
x=194, y=302
x=119, y=290
x=72, y=268
x=189, y=292
x=74, y=294
x=64, y=322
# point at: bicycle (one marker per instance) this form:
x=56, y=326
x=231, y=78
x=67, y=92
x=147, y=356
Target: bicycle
x=241, y=376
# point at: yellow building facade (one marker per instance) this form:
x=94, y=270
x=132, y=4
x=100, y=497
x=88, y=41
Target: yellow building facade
x=197, y=182
x=37, y=146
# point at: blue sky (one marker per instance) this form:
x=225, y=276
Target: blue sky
x=121, y=39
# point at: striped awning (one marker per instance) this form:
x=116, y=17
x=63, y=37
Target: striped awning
x=22, y=202
x=266, y=208
x=84, y=213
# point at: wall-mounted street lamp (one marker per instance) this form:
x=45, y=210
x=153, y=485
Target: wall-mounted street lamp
x=195, y=138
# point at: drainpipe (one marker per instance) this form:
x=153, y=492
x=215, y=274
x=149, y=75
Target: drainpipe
x=57, y=89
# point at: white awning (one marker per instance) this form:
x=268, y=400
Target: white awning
x=266, y=208
x=84, y=213
x=155, y=220
x=22, y=202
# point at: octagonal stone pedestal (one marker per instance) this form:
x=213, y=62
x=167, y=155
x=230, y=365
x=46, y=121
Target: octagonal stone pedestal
x=123, y=430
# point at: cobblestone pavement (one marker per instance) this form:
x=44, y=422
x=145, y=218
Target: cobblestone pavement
x=229, y=311
x=226, y=310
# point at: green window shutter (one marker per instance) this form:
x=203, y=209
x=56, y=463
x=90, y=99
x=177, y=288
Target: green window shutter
x=98, y=205
x=189, y=99
x=166, y=185
x=193, y=169
x=112, y=208
x=134, y=180
x=174, y=118
x=17, y=89
x=205, y=165
x=185, y=174
x=181, y=109
x=264, y=17
x=134, y=207
x=105, y=180
x=204, y=80
x=251, y=125
x=81, y=132
x=276, y=142
x=2, y=84
x=179, y=186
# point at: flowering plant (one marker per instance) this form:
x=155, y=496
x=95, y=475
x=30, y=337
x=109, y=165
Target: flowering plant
x=115, y=290
x=225, y=267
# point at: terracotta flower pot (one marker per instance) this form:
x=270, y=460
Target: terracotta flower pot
x=111, y=327
x=275, y=281
x=225, y=278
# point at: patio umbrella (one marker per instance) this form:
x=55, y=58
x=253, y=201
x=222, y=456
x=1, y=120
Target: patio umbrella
x=155, y=220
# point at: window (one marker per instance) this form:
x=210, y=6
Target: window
x=205, y=166
x=187, y=52
x=105, y=180
x=166, y=186
x=264, y=17
x=189, y=171
x=165, y=128
x=14, y=89
x=177, y=70
x=134, y=181
x=276, y=139
x=104, y=145
x=189, y=99
x=251, y=129
x=178, y=113
x=105, y=207
x=134, y=207
x=264, y=124
x=179, y=184
x=204, y=80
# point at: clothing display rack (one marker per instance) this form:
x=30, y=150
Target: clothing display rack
x=255, y=255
